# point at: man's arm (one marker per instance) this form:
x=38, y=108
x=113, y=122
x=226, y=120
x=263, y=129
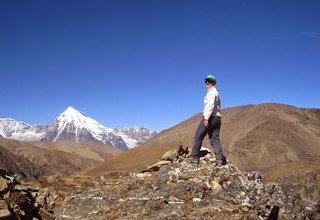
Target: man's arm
x=209, y=107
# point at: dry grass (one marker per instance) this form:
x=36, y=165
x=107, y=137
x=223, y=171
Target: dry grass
x=281, y=169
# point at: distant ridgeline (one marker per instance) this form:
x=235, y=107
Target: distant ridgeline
x=75, y=126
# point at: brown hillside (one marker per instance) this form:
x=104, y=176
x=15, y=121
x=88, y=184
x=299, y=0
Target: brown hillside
x=94, y=150
x=18, y=165
x=254, y=137
x=64, y=158
x=303, y=177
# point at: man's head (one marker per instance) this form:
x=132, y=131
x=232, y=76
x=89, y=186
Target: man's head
x=210, y=80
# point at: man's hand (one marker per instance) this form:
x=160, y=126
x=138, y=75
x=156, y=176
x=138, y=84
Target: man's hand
x=206, y=123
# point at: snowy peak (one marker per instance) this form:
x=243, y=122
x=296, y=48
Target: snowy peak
x=79, y=120
x=72, y=114
x=75, y=125
x=136, y=135
x=10, y=128
x=71, y=109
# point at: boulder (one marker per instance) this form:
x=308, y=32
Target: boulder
x=5, y=214
x=47, y=199
x=3, y=186
x=170, y=155
x=175, y=153
x=157, y=166
x=18, y=200
x=4, y=210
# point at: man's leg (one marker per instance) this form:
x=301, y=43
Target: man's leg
x=214, y=136
x=201, y=132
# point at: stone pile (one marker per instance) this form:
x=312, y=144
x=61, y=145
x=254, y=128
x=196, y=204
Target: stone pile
x=22, y=201
x=177, y=189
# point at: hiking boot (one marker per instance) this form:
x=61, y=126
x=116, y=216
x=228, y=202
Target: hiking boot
x=221, y=163
x=194, y=160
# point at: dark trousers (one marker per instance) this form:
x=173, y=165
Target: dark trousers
x=213, y=131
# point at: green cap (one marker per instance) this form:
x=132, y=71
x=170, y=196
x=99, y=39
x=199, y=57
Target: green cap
x=211, y=77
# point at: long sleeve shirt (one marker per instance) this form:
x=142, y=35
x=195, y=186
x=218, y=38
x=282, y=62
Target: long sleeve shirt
x=211, y=103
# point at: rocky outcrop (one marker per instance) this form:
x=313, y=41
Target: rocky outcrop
x=177, y=190
x=167, y=158
x=180, y=190
x=21, y=201
x=306, y=182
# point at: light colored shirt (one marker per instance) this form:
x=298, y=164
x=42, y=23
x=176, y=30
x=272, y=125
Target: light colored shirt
x=211, y=103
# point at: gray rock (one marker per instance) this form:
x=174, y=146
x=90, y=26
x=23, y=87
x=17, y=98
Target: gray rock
x=3, y=186
x=5, y=214
x=170, y=155
x=157, y=166
x=3, y=204
x=18, y=198
x=174, y=190
x=47, y=199
x=180, y=190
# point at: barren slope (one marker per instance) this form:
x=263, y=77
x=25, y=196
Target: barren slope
x=64, y=158
x=18, y=165
x=303, y=177
x=94, y=150
x=254, y=137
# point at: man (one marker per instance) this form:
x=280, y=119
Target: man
x=210, y=123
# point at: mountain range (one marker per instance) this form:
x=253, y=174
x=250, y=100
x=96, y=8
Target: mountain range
x=281, y=141
x=99, y=181
x=73, y=125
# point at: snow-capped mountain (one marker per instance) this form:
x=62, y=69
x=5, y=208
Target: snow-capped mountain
x=135, y=136
x=10, y=128
x=76, y=126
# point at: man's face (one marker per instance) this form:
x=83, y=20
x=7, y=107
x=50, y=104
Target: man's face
x=208, y=85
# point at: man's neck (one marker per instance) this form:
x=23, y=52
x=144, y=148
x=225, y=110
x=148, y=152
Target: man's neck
x=209, y=87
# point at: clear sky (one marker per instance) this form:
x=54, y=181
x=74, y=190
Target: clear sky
x=143, y=62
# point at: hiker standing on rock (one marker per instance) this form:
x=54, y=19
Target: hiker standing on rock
x=210, y=123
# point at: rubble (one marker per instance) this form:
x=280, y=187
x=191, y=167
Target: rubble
x=175, y=190
x=180, y=190
x=19, y=201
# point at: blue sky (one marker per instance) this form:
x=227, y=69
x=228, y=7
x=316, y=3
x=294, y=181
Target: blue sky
x=143, y=62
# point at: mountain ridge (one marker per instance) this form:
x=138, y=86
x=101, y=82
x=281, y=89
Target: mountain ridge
x=253, y=137
x=76, y=126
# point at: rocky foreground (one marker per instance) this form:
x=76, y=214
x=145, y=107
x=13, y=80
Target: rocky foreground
x=171, y=189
